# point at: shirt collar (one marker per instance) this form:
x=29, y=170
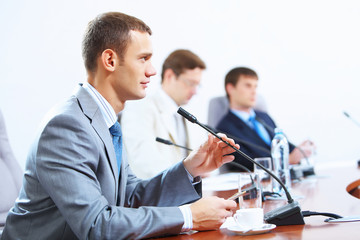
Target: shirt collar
x=245, y=116
x=106, y=109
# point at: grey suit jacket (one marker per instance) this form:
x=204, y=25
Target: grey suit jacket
x=71, y=189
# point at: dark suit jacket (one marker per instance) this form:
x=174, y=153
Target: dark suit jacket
x=249, y=141
x=71, y=188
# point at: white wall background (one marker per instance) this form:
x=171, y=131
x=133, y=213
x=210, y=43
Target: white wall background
x=306, y=54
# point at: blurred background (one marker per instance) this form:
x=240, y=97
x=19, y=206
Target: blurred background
x=307, y=56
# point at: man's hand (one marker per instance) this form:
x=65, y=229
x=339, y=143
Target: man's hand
x=307, y=147
x=209, y=213
x=210, y=156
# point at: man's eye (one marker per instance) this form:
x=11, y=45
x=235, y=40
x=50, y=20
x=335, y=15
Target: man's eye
x=145, y=58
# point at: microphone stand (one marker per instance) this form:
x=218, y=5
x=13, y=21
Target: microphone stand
x=167, y=142
x=289, y=214
x=352, y=119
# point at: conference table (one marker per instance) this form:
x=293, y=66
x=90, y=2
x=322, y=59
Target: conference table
x=334, y=189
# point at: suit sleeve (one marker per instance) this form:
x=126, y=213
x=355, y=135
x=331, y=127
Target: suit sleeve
x=175, y=185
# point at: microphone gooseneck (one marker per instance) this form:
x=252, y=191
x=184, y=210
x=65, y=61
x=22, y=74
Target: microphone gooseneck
x=247, y=143
x=352, y=119
x=167, y=142
x=193, y=119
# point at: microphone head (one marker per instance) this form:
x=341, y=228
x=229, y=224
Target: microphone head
x=163, y=141
x=187, y=115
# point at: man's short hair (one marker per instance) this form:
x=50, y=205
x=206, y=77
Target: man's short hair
x=109, y=31
x=234, y=75
x=181, y=60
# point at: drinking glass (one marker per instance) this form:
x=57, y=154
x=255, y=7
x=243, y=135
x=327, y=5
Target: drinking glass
x=250, y=184
x=264, y=178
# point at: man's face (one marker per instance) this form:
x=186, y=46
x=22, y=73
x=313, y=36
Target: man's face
x=243, y=95
x=133, y=74
x=184, y=86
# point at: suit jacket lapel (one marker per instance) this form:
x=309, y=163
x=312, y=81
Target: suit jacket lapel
x=123, y=179
x=246, y=130
x=92, y=111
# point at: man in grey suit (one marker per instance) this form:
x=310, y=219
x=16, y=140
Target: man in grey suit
x=72, y=188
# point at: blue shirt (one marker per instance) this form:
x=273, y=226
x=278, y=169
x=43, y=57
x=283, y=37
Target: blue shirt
x=245, y=116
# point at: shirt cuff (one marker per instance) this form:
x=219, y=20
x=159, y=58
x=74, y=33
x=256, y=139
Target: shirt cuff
x=193, y=180
x=188, y=222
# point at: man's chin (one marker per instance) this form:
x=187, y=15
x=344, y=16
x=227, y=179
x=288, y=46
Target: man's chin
x=252, y=104
x=138, y=97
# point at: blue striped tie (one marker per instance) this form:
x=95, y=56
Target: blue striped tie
x=115, y=130
x=262, y=134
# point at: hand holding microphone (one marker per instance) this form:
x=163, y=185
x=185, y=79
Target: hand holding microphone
x=210, y=155
x=289, y=214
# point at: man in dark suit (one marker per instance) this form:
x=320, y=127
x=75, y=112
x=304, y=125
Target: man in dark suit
x=78, y=183
x=252, y=129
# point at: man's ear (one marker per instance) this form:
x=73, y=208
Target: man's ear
x=109, y=60
x=229, y=88
x=169, y=75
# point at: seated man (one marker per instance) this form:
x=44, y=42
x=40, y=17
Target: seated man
x=156, y=116
x=252, y=129
x=78, y=183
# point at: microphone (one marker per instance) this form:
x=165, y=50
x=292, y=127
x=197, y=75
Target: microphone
x=352, y=119
x=290, y=214
x=238, y=140
x=167, y=142
x=250, y=144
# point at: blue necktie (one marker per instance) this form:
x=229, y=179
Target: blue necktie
x=261, y=132
x=115, y=130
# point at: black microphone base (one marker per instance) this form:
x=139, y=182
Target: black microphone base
x=290, y=214
x=309, y=171
x=298, y=171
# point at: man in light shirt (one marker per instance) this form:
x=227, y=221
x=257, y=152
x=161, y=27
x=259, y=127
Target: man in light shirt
x=156, y=116
x=78, y=183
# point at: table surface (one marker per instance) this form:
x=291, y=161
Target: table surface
x=325, y=192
